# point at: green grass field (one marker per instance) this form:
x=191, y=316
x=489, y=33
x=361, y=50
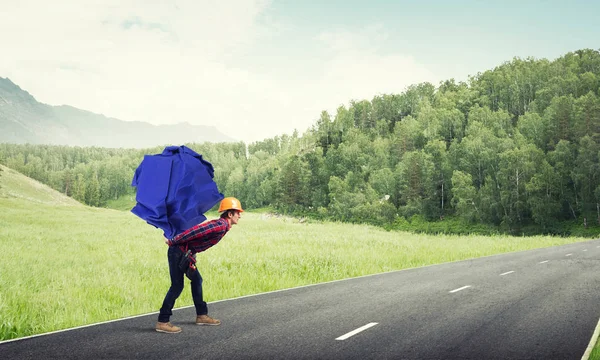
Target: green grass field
x=63, y=264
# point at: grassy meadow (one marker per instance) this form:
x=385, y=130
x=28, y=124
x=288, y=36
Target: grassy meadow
x=63, y=264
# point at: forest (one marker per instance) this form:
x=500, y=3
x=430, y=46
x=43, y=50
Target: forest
x=513, y=149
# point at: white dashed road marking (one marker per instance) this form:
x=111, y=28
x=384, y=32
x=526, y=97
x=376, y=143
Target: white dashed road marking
x=459, y=289
x=545, y=261
x=354, y=332
x=568, y=254
x=506, y=273
x=584, y=249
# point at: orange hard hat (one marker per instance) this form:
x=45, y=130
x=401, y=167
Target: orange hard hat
x=230, y=203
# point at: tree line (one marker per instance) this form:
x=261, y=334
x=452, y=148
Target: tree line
x=515, y=146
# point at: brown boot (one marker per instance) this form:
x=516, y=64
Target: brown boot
x=167, y=328
x=206, y=320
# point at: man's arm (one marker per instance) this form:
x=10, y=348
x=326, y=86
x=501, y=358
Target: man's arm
x=198, y=231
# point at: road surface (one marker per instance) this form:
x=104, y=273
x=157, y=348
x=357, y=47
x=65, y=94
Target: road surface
x=538, y=304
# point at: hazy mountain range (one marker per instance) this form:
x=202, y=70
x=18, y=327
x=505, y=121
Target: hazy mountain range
x=25, y=120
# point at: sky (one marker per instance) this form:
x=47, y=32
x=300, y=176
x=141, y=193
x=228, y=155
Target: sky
x=255, y=69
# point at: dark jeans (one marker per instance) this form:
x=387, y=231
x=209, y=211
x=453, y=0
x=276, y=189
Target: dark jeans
x=177, y=276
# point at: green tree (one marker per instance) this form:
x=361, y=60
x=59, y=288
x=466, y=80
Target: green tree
x=438, y=193
x=413, y=176
x=478, y=153
x=235, y=183
x=339, y=199
x=544, y=190
x=382, y=181
x=259, y=179
x=325, y=131
x=517, y=167
x=586, y=175
x=292, y=184
x=318, y=179
x=92, y=190
x=465, y=197
x=562, y=159
x=559, y=117
x=408, y=136
x=80, y=188
x=387, y=111
x=535, y=129
x=587, y=117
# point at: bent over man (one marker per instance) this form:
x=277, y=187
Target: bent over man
x=195, y=239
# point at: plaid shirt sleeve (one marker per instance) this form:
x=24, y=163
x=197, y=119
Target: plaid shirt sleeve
x=199, y=231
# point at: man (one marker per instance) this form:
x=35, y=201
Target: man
x=196, y=239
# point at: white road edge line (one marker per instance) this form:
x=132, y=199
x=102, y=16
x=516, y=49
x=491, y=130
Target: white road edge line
x=568, y=254
x=506, y=273
x=459, y=289
x=592, y=343
x=354, y=332
x=545, y=261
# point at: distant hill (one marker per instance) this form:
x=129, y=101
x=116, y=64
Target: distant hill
x=14, y=185
x=25, y=120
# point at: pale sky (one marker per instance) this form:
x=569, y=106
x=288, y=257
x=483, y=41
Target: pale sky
x=255, y=69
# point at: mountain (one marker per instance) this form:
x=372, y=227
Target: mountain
x=25, y=120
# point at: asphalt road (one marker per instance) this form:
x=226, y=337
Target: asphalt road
x=539, y=304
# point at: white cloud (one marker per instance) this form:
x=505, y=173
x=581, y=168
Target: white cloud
x=169, y=62
x=359, y=68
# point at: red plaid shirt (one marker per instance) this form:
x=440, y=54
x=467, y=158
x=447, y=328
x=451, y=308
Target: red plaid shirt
x=202, y=236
